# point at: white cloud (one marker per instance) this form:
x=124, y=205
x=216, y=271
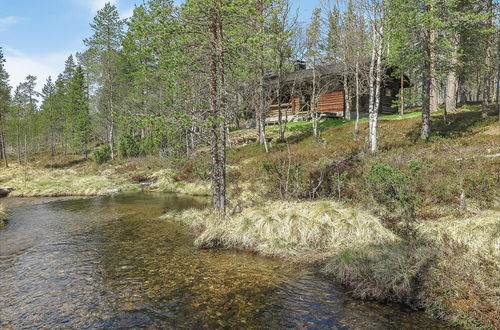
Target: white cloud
x=19, y=65
x=127, y=13
x=6, y=22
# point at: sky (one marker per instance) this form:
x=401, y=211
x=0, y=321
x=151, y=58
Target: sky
x=37, y=36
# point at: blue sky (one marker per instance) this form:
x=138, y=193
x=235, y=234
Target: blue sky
x=38, y=35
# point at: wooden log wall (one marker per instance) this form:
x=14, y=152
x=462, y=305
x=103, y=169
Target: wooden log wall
x=331, y=102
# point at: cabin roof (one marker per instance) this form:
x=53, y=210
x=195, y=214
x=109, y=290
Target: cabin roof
x=307, y=74
x=325, y=71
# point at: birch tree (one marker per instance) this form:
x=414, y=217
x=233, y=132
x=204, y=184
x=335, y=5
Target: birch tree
x=314, y=53
x=375, y=11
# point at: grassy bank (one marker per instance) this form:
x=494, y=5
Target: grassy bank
x=448, y=267
x=73, y=176
x=3, y=215
x=419, y=223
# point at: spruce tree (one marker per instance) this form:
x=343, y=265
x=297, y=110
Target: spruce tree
x=79, y=113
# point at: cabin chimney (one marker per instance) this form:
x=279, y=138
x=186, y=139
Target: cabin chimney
x=299, y=65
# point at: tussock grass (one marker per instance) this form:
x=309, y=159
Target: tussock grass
x=478, y=234
x=450, y=268
x=3, y=215
x=164, y=181
x=288, y=229
x=29, y=181
x=74, y=177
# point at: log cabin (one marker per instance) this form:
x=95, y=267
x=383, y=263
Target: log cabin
x=295, y=92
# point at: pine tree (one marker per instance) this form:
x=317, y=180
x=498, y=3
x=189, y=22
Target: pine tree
x=4, y=106
x=107, y=28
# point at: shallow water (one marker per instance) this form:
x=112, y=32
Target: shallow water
x=110, y=262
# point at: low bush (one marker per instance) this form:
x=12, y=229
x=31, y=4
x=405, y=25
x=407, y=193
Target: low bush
x=128, y=146
x=102, y=154
x=395, y=188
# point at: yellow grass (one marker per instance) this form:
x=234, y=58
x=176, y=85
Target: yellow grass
x=3, y=214
x=166, y=183
x=91, y=180
x=289, y=229
x=451, y=269
x=29, y=181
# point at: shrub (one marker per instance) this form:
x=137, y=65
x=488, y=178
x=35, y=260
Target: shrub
x=128, y=146
x=102, y=154
x=395, y=189
x=285, y=177
x=202, y=170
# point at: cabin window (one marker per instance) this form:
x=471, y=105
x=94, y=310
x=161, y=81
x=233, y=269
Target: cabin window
x=388, y=92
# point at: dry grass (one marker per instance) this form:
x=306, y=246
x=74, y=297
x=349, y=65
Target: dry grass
x=452, y=161
x=164, y=181
x=3, y=214
x=450, y=268
x=87, y=179
x=289, y=229
x=29, y=181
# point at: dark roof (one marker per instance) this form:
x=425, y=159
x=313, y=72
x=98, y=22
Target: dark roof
x=307, y=74
x=325, y=71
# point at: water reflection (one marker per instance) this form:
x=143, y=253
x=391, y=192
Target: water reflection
x=110, y=262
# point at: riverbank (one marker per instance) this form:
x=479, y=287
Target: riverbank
x=73, y=176
x=448, y=267
x=416, y=224
x=3, y=215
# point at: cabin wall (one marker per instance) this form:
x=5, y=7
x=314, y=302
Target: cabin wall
x=331, y=102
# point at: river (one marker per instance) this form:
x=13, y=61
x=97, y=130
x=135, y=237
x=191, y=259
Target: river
x=111, y=262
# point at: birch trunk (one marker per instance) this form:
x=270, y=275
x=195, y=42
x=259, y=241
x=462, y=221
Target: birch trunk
x=375, y=77
x=371, y=83
x=426, y=94
x=452, y=80
x=356, y=126
x=314, y=111
x=347, y=98
x=378, y=82
x=451, y=91
x=261, y=112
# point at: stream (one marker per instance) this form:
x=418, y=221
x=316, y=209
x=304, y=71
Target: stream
x=111, y=262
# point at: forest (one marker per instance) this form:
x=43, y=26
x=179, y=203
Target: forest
x=399, y=201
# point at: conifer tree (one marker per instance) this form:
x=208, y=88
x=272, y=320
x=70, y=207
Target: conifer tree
x=48, y=110
x=106, y=41
x=79, y=113
x=4, y=106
